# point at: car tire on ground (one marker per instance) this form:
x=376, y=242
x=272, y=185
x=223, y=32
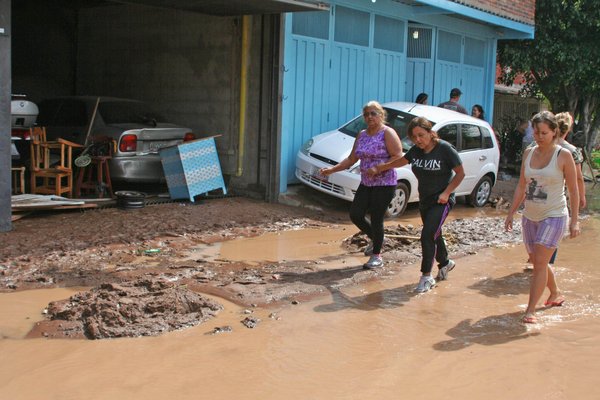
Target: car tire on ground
x=481, y=193
x=399, y=202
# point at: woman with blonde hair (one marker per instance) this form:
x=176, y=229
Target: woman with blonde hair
x=565, y=124
x=545, y=170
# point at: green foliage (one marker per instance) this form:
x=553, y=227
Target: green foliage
x=596, y=159
x=561, y=62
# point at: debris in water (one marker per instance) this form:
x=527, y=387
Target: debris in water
x=250, y=322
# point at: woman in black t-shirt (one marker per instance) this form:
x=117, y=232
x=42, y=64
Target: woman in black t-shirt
x=439, y=169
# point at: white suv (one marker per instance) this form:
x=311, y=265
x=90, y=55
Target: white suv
x=473, y=138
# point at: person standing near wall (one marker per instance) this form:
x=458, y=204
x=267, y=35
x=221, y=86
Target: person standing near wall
x=453, y=104
x=514, y=146
x=439, y=170
x=477, y=111
x=545, y=216
x=422, y=98
x=374, y=145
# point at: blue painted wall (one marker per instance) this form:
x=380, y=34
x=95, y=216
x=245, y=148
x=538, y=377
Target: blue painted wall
x=335, y=61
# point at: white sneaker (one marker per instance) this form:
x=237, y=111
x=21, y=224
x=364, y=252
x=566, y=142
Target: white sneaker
x=443, y=271
x=374, y=262
x=425, y=284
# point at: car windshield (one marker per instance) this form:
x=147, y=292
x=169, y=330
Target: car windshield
x=398, y=120
x=128, y=112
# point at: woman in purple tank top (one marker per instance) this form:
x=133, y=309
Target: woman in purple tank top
x=374, y=145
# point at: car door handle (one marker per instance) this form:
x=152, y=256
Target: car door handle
x=482, y=158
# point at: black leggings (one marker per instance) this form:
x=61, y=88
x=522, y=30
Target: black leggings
x=432, y=241
x=374, y=200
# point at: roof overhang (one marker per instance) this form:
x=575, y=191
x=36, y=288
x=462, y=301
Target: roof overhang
x=505, y=28
x=503, y=89
x=235, y=7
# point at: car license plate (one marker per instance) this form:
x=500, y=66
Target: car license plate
x=318, y=175
x=156, y=146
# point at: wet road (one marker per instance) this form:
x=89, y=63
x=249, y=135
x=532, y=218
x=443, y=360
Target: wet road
x=371, y=341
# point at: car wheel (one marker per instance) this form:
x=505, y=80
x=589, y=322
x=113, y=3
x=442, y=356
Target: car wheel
x=481, y=192
x=399, y=201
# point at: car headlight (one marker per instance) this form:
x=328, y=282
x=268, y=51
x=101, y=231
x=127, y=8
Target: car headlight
x=355, y=169
x=306, y=147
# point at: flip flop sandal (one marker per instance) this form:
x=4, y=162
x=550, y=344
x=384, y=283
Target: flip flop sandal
x=555, y=303
x=529, y=319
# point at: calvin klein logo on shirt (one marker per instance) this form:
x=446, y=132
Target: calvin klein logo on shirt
x=430, y=165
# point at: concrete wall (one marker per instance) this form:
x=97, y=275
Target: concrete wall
x=43, y=49
x=185, y=64
x=5, y=79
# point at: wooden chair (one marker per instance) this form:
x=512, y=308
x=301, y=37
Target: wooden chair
x=18, y=180
x=56, y=176
x=38, y=133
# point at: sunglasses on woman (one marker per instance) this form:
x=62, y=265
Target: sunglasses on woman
x=370, y=113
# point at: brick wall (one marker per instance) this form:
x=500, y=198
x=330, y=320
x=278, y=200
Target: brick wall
x=517, y=10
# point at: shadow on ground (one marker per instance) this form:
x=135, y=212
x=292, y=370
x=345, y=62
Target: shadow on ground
x=489, y=331
x=513, y=284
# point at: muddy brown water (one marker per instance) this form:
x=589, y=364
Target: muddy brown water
x=371, y=341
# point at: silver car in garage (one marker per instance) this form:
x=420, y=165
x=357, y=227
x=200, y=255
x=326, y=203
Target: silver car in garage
x=130, y=129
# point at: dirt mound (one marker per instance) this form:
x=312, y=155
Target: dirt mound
x=464, y=236
x=139, y=308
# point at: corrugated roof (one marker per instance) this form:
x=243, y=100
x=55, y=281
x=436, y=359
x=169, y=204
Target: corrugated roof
x=417, y=3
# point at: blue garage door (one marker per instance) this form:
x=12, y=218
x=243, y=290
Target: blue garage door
x=419, y=64
x=334, y=63
x=460, y=62
x=474, y=61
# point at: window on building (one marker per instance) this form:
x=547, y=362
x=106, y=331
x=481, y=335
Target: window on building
x=419, y=42
x=449, y=46
x=389, y=34
x=352, y=26
x=474, y=52
x=311, y=23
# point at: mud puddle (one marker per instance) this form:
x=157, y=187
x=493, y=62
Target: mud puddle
x=374, y=339
x=158, y=290
x=300, y=244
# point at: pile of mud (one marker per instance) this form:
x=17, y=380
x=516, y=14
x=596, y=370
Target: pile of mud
x=139, y=308
x=464, y=236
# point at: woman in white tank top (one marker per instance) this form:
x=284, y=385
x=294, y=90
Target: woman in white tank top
x=544, y=171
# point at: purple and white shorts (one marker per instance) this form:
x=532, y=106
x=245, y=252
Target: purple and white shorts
x=547, y=232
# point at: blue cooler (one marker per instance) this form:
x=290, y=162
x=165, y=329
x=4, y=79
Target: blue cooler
x=192, y=168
